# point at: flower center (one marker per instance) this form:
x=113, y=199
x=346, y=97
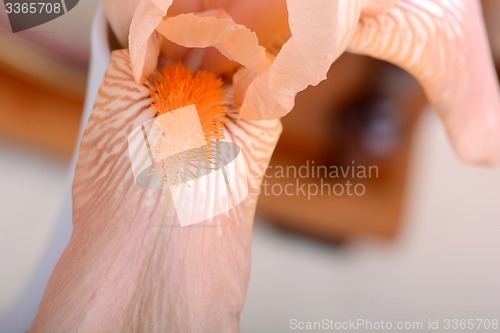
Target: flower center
x=173, y=89
x=176, y=86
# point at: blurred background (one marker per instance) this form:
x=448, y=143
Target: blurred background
x=421, y=244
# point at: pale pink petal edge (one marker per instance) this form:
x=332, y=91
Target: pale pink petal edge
x=144, y=41
x=321, y=31
x=234, y=41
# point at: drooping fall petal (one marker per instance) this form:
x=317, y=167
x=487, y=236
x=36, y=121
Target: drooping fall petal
x=443, y=44
x=321, y=31
x=129, y=266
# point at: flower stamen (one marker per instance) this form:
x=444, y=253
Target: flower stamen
x=176, y=86
x=172, y=88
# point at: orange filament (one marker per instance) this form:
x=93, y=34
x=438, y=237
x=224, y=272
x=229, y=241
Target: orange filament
x=176, y=86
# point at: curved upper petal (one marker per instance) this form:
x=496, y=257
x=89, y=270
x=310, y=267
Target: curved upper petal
x=321, y=30
x=144, y=41
x=233, y=40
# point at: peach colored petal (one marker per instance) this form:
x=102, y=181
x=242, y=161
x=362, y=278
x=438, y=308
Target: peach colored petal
x=129, y=267
x=144, y=41
x=243, y=77
x=443, y=44
x=267, y=18
x=320, y=30
x=270, y=25
x=119, y=15
x=189, y=6
x=376, y=7
x=233, y=40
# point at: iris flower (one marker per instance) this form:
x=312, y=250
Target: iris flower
x=130, y=266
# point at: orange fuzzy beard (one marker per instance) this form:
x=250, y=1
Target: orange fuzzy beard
x=175, y=86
